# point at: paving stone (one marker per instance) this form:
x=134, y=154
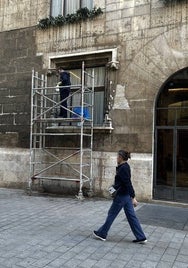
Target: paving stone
x=103, y=263
x=149, y=264
x=154, y=257
x=73, y=263
x=87, y=263
x=163, y=264
x=180, y=265
x=26, y=262
x=169, y=258
x=110, y=256
x=183, y=258
x=134, y=263
x=56, y=232
x=118, y=264
x=58, y=262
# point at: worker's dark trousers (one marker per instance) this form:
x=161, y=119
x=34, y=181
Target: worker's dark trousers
x=64, y=93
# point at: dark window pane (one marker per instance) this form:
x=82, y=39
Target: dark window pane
x=182, y=117
x=166, y=117
x=164, y=157
x=182, y=158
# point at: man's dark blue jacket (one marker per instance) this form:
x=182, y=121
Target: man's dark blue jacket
x=65, y=78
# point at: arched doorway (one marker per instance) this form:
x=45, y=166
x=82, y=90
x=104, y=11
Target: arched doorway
x=171, y=139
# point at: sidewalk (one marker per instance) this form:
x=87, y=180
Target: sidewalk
x=51, y=232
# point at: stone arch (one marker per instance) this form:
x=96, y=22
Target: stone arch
x=155, y=59
x=151, y=60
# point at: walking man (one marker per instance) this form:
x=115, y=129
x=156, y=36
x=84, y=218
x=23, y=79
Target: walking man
x=124, y=198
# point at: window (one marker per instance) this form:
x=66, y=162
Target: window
x=99, y=83
x=64, y=7
x=98, y=60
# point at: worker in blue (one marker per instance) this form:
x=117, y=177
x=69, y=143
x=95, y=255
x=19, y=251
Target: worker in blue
x=123, y=197
x=64, y=87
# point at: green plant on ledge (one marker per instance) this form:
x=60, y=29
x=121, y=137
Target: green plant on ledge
x=172, y=2
x=80, y=15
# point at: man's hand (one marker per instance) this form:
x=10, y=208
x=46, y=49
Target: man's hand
x=134, y=202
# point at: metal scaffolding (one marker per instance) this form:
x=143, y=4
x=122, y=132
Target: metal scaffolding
x=61, y=148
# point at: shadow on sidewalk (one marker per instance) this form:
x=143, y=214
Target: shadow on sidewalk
x=164, y=216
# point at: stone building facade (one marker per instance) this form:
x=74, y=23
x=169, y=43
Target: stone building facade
x=143, y=48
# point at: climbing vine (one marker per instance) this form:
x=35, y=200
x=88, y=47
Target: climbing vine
x=80, y=15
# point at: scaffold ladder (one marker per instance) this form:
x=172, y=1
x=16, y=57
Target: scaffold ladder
x=48, y=161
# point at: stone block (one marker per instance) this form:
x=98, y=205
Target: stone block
x=8, y=140
x=4, y=92
x=141, y=165
x=127, y=12
x=115, y=5
x=21, y=53
x=141, y=2
x=113, y=26
x=160, y=17
x=142, y=10
x=6, y=119
x=22, y=120
x=126, y=25
x=8, y=108
x=113, y=15
x=140, y=22
x=14, y=167
x=128, y=4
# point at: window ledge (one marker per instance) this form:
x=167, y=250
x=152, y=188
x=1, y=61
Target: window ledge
x=103, y=129
x=76, y=129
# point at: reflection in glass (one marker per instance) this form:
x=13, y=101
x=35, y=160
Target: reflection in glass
x=165, y=157
x=172, y=116
x=182, y=159
x=172, y=107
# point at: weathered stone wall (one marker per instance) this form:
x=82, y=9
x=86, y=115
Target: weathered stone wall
x=16, y=14
x=141, y=172
x=15, y=172
x=104, y=167
x=151, y=40
x=18, y=57
x=14, y=167
x=138, y=29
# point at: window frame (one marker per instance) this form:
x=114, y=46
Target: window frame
x=91, y=59
x=98, y=118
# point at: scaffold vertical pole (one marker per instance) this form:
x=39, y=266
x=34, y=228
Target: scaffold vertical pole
x=91, y=141
x=80, y=194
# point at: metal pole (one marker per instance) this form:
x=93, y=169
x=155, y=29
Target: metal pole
x=45, y=108
x=41, y=111
x=91, y=144
x=80, y=194
x=31, y=136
